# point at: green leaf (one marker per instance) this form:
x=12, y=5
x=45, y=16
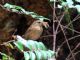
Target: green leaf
x=31, y=45
x=15, y=8
x=21, y=40
x=19, y=45
x=10, y=45
x=26, y=56
x=18, y=7
x=51, y=0
x=49, y=54
x=78, y=8
x=8, y=6
x=77, y=0
x=64, y=4
x=38, y=47
x=28, y=45
x=44, y=55
x=42, y=46
x=32, y=55
x=52, y=53
x=6, y=57
x=38, y=55
x=70, y=2
x=34, y=16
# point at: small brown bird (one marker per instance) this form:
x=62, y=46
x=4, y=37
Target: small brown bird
x=35, y=30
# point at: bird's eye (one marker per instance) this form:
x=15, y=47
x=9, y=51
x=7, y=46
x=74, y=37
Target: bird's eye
x=39, y=22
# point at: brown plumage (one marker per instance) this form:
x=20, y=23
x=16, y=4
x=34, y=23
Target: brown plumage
x=35, y=30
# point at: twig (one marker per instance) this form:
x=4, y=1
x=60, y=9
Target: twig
x=77, y=52
x=54, y=34
x=73, y=50
x=76, y=18
x=47, y=36
x=8, y=42
x=74, y=55
x=67, y=42
x=59, y=22
x=71, y=29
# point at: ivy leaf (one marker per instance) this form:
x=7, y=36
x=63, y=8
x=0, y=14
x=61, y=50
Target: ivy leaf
x=52, y=53
x=15, y=8
x=21, y=40
x=78, y=8
x=8, y=6
x=6, y=57
x=19, y=45
x=77, y=0
x=64, y=3
x=44, y=55
x=30, y=44
x=38, y=46
x=10, y=45
x=51, y=0
x=32, y=55
x=26, y=56
x=69, y=2
x=37, y=49
x=38, y=55
x=49, y=54
x=42, y=46
x=33, y=45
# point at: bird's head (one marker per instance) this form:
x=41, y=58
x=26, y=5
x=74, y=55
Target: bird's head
x=43, y=23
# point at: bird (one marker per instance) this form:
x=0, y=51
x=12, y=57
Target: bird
x=35, y=30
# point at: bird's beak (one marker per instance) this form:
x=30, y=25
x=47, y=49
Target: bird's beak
x=45, y=24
